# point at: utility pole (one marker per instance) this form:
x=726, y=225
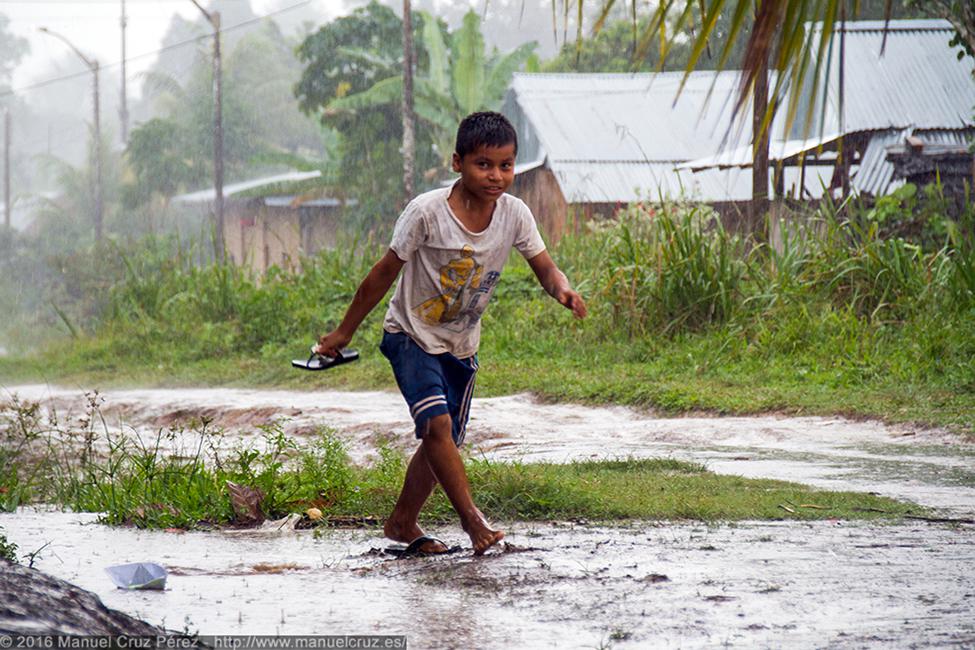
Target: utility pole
x=124, y=109
x=97, y=162
x=213, y=17
x=6, y=167
x=99, y=207
x=409, y=134
x=845, y=155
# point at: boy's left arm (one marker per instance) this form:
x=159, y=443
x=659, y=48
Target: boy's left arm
x=556, y=284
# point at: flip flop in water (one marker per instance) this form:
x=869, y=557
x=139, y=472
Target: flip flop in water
x=321, y=362
x=415, y=548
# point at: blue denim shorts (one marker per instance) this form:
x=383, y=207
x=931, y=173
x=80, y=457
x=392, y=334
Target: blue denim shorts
x=431, y=384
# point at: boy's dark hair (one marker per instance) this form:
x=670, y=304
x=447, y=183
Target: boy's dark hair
x=487, y=129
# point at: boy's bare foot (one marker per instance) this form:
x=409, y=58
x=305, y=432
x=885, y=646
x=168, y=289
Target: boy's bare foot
x=406, y=534
x=482, y=535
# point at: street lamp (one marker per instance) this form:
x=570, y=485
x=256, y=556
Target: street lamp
x=213, y=17
x=93, y=66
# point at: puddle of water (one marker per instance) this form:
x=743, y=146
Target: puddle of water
x=930, y=467
x=818, y=584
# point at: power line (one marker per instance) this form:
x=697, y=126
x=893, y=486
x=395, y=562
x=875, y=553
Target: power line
x=93, y=2
x=195, y=39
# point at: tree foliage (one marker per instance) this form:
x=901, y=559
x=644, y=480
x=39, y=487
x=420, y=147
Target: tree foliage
x=458, y=80
x=157, y=155
x=12, y=50
x=348, y=56
x=174, y=152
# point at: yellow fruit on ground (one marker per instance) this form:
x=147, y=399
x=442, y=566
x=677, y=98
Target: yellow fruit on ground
x=314, y=514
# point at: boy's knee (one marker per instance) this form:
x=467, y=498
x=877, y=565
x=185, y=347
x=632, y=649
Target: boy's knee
x=439, y=426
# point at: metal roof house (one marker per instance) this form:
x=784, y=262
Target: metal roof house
x=267, y=222
x=596, y=141
x=600, y=140
x=911, y=87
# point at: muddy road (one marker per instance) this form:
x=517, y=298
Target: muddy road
x=560, y=584
x=930, y=467
x=751, y=585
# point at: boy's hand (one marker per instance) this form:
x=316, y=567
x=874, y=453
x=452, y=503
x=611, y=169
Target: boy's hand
x=572, y=300
x=330, y=344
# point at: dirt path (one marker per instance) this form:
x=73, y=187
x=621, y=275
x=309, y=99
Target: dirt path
x=929, y=467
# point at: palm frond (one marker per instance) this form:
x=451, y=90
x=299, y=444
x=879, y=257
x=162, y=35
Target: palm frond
x=500, y=74
x=381, y=93
x=369, y=58
x=467, y=50
x=435, y=107
x=604, y=15
x=780, y=39
x=437, y=52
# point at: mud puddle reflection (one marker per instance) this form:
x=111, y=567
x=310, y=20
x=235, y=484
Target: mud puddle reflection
x=929, y=467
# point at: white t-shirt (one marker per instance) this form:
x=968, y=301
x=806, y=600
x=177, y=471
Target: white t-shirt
x=451, y=272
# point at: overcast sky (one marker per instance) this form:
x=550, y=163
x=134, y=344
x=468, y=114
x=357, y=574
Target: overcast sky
x=93, y=26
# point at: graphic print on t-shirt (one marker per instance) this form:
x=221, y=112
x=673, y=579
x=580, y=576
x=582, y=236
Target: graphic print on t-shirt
x=462, y=283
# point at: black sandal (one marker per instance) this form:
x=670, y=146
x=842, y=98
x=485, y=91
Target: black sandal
x=413, y=548
x=321, y=362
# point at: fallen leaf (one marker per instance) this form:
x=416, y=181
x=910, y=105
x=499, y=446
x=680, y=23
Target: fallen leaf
x=246, y=502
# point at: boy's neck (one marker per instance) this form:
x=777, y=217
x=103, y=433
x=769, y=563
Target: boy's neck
x=475, y=213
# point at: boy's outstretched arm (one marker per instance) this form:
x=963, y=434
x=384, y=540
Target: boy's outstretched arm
x=556, y=284
x=372, y=289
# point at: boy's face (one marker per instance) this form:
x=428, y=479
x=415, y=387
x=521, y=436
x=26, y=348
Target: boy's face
x=487, y=172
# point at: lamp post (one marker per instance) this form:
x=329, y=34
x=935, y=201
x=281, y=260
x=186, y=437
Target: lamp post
x=93, y=66
x=213, y=17
x=6, y=167
x=124, y=109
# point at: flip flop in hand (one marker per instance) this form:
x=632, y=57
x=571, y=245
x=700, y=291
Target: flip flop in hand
x=321, y=362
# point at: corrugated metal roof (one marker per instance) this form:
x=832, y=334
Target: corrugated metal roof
x=624, y=182
x=618, y=137
x=597, y=130
x=875, y=174
x=742, y=156
x=622, y=117
x=294, y=201
x=615, y=182
x=208, y=195
x=917, y=82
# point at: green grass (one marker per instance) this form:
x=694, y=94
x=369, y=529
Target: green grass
x=815, y=366
x=136, y=484
x=840, y=319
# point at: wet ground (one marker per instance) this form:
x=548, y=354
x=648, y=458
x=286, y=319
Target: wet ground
x=930, y=467
x=754, y=584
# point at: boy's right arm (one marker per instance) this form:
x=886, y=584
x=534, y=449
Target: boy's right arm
x=372, y=289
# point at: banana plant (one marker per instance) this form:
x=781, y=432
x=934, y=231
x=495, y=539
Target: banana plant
x=459, y=80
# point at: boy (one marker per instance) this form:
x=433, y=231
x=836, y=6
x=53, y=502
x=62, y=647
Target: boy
x=451, y=244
